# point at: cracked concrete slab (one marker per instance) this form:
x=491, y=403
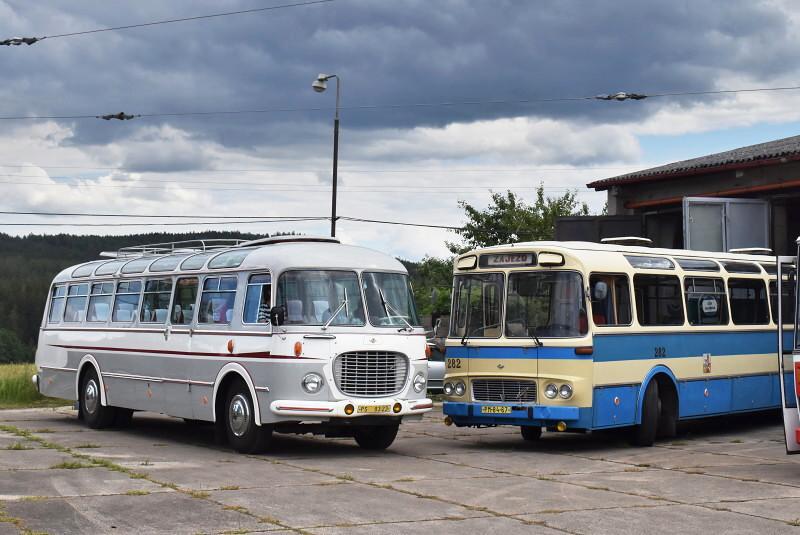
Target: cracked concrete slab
x=69, y=482
x=485, y=525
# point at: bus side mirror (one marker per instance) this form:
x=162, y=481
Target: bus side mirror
x=277, y=315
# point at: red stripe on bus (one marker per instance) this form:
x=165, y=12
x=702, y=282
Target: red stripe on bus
x=255, y=355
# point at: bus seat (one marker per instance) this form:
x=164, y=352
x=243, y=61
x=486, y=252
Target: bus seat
x=294, y=310
x=99, y=312
x=161, y=315
x=599, y=319
x=228, y=315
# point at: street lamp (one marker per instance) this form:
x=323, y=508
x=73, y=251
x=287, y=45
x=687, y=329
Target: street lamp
x=320, y=85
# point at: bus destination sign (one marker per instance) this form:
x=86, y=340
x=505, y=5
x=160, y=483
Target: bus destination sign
x=507, y=260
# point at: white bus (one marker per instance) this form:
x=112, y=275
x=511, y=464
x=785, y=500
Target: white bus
x=290, y=334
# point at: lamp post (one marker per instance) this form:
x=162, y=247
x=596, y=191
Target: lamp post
x=320, y=85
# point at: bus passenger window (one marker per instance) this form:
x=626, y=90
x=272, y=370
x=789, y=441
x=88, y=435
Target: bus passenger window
x=658, y=299
x=216, y=303
x=100, y=301
x=258, y=299
x=787, y=300
x=185, y=298
x=748, y=301
x=57, y=304
x=155, y=303
x=126, y=302
x=611, y=300
x=76, y=302
x=706, y=303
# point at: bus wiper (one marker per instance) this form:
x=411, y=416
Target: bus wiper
x=468, y=335
x=533, y=334
x=333, y=316
x=391, y=310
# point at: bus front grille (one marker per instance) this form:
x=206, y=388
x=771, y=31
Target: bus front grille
x=504, y=390
x=370, y=373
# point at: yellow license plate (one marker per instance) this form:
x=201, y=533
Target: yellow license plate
x=493, y=409
x=365, y=409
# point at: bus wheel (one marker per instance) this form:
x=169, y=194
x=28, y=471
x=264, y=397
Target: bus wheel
x=645, y=433
x=92, y=410
x=240, y=421
x=530, y=432
x=377, y=437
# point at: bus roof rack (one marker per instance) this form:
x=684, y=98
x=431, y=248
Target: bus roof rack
x=185, y=246
x=289, y=238
x=628, y=240
x=752, y=250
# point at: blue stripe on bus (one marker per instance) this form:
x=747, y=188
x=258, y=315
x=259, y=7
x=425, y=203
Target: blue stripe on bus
x=639, y=346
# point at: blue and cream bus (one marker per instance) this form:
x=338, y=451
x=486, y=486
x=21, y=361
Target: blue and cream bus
x=575, y=336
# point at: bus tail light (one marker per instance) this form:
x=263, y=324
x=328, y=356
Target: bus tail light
x=427, y=351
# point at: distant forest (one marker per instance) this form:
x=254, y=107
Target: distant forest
x=28, y=265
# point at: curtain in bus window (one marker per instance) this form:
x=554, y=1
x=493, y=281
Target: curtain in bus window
x=658, y=299
x=706, y=302
x=477, y=303
x=183, y=304
x=545, y=304
x=748, y=301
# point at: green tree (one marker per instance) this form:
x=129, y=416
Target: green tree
x=432, y=279
x=510, y=219
x=12, y=349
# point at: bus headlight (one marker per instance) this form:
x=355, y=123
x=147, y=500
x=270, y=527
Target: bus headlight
x=312, y=383
x=565, y=391
x=460, y=388
x=550, y=391
x=420, y=382
x=448, y=389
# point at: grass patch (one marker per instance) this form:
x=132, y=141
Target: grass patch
x=137, y=493
x=71, y=465
x=17, y=446
x=17, y=390
x=86, y=446
x=230, y=487
x=198, y=494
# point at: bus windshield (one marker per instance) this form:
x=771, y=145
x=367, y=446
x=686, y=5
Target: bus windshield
x=390, y=301
x=477, y=303
x=545, y=304
x=312, y=297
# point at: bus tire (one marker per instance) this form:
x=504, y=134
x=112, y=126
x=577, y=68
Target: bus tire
x=240, y=421
x=377, y=437
x=645, y=433
x=531, y=433
x=92, y=411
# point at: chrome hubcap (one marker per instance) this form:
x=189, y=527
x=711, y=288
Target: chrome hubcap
x=239, y=415
x=91, y=396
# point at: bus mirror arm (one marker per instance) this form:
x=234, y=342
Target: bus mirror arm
x=277, y=315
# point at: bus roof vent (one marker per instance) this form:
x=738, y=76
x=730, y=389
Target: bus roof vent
x=752, y=250
x=288, y=239
x=628, y=240
x=185, y=246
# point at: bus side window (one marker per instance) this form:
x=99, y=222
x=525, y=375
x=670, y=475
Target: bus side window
x=57, y=304
x=748, y=301
x=787, y=300
x=258, y=298
x=611, y=300
x=76, y=302
x=184, y=300
x=658, y=299
x=126, y=301
x=216, y=303
x=155, y=303
x=706, y=302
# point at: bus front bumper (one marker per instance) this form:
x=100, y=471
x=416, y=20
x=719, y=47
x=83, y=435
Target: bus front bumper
x=351, y=408
x=476, y=413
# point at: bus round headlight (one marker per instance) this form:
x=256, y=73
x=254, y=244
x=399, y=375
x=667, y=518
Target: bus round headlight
x=550, y=391
x=460, y=388
x=448, y=388
x=565, y=391
x=312, y=383
x=419, y=382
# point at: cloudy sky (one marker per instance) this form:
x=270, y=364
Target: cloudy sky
x=397, y=161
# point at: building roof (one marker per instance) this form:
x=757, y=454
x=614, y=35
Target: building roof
x=769, y=153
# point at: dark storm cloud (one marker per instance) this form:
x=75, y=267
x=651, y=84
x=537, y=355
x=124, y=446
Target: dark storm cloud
x=386, y=52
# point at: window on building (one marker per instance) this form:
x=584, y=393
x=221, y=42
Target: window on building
x=748, y=301
x=216, y=303
x=185, y=298
x=76, y=303
x=611, y=299
x=126, y=302
x=787, y=300
x=658, y=299
x=56, y=303
x=100, y=302
x=258, y=299
x=706, y=302
x=155, y=301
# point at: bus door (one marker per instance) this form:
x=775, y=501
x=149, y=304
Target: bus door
x=789, y=405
